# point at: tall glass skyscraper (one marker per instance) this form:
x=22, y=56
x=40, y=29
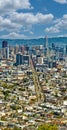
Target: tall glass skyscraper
x=19, y=58
x=5, y=50
x=4, y=44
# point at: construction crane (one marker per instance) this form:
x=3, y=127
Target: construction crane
x=38, y=89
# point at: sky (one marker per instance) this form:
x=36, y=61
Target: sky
x=26, y=19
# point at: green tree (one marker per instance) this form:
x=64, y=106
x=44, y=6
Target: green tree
x=4, y=85
x=47, y=127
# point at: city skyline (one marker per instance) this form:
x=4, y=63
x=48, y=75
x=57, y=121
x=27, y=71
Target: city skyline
x=23, y=19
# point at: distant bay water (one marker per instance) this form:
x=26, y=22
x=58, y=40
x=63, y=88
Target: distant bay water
x=60, y=41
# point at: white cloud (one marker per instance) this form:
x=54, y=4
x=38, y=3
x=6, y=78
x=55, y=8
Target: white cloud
x=16, y=22
x=31, y=32
x=13, y=35
x=61, y=1
x=52, y=30
x=65, y=17
x=13, y=5
x=59, y=25
x=13, y=22
x=30, y=18
x=6, y=24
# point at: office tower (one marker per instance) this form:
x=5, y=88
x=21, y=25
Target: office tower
x=26, y=49
x=22, y=49
x=47, y=49
x=19, y=58
x=40, y=60
x=46, y=44
x=0, y=53
x=4, y=44
x=41, y=49
x=26, y=59
x=16, y=49
x=22, y=59
x=66, y=49
x=11, y=49
x=53, y=46
x=5, y=50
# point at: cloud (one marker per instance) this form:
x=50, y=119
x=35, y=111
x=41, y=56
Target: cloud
x=30, y=18
x=7, y=6
x=8, y=25
x=59, y=25
x=13, y=35
x=52, y=30
x=31, y=32
x=16, y=22
x=61, y=1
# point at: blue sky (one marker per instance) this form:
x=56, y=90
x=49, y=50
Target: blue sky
x=33, y=18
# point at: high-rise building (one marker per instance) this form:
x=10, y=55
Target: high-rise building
x=22, y=49
x=66, y=49
x=40, y=60
x=47, y=48
x=19, y=58
x=26, y=59
x=5, y=50
x=16, y=49
x=26, y=48
x=53, y=46
x=22, y=59
x=4, y=44
x=41, y=49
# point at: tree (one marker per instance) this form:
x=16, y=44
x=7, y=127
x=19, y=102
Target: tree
x=47, y=127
